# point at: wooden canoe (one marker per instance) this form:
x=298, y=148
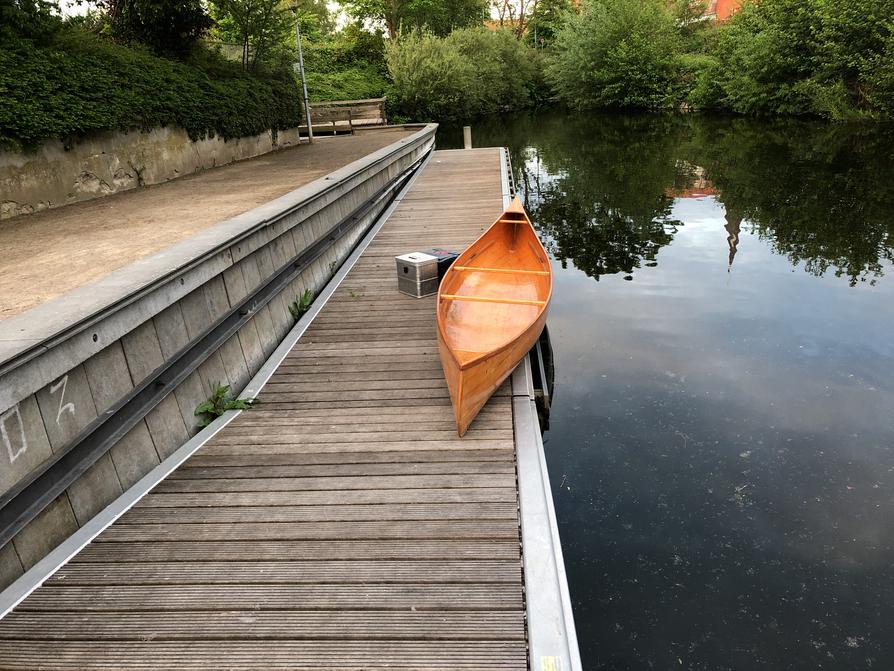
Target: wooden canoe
x=491, y=309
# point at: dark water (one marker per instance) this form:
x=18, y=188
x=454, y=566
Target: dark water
x=722, y=436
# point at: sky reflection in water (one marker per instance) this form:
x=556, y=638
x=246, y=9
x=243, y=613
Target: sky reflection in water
x=721, y=442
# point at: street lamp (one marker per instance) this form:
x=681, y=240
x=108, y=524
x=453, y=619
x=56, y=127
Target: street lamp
x=300, y=67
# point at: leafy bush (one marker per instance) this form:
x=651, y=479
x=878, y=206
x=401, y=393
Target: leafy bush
x=430, y=77
x=701, y=90
x=831, y=58
x=353, y=83
x=348, y=66
x=400, y=16
x=546, y=20
x=79, y=83
x=169, y=27
x=470, y=72
x=617, y=53
x=28, y=18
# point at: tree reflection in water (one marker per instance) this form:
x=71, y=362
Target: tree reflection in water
x=601, y=187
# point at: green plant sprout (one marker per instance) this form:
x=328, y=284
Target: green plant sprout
x=301, y=305
x=219, y=403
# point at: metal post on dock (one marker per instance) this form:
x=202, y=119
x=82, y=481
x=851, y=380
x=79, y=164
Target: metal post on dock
x=467, y=137
x=300, y=66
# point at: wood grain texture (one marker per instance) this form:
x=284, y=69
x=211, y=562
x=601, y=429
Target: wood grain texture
x=288, y=572
x=268, y=625
x=341, y=524
x=492, y=307
x=235, y=655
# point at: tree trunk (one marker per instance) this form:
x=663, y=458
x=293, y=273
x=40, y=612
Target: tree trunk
x=392, y=20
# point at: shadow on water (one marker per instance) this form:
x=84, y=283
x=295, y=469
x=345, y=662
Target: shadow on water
x=721, y=442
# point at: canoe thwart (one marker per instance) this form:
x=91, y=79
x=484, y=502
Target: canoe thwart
x=488, y=299
x=503, y=270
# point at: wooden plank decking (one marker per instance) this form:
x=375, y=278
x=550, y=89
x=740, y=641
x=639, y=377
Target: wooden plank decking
x=341, y=524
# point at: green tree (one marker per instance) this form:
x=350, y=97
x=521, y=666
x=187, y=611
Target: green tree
x=617, y=53
x=257, y=25
x=169, y=27
x=28, y=18
x=823, y=57
x=438, y=16
x=694, y=28
x=317, y=21
x=548, y=17
x=470, y=72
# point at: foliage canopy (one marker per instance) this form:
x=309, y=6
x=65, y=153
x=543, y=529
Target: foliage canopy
x=32, y=19
x=832, y=58
x=169, y=27
x=617, y=53
x=78, y=83
x=472, y=71
x=437, y=16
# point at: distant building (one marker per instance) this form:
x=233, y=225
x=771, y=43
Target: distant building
x=721, y=10
x=698, y=185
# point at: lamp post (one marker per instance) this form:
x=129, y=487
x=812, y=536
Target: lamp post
x=300, y=66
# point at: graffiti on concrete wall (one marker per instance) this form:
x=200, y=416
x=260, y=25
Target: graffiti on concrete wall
x=12, y=433
x=63, y=406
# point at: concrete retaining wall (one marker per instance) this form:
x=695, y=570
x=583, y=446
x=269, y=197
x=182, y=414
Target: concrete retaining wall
x=116, y=161
x=112, y=334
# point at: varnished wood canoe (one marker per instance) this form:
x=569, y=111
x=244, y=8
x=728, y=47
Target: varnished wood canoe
x=491, y=309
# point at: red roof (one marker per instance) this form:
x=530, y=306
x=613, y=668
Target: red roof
x=723, y=9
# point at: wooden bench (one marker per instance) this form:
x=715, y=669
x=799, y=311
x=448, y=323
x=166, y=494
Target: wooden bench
x=342, y=116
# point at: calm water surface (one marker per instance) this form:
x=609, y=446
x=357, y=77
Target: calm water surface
x=721, y=444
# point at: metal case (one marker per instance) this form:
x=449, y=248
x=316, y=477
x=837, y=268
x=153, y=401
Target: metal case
x=417, y=274
x=417, y=289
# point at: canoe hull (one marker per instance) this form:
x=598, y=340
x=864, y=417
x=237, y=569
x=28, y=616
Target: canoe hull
x=492, y=307
x=473, y=385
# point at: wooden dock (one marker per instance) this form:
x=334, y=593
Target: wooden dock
x=339, y=525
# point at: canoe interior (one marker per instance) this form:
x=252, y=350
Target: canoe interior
x=496, y=290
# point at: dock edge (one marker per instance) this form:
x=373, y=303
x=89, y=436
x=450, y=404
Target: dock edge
x=552, y=639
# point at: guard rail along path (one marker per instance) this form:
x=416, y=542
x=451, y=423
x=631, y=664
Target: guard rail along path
x=340, y=524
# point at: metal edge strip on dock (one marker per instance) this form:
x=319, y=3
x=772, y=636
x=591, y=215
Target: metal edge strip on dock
x=34, y=577
x=552, y=639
